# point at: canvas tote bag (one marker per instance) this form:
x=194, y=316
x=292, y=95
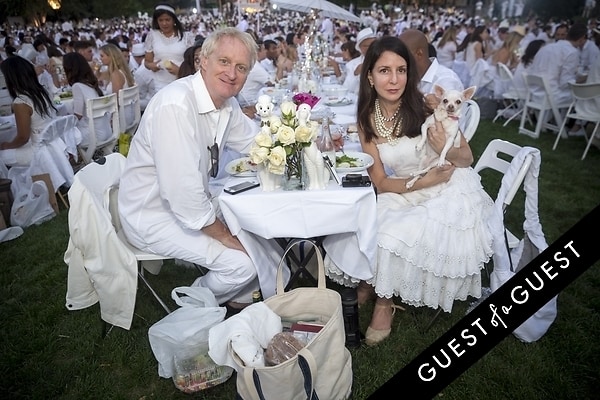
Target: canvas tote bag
x=323, y=368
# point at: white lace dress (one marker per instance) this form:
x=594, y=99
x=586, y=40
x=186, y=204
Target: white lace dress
x=433, y=242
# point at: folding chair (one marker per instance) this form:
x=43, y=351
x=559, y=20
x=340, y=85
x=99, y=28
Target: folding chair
x=585, y=107
x=98, y=241
x=129, y=108
x=513, y=98
x=469, y=120
x=101, y=110
x=141, y=256
x=496, y=156
x=541, y=106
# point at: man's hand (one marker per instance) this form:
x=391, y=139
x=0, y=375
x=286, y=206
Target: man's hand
x=219, y=231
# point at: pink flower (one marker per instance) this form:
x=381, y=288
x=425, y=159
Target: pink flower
x=305, y=98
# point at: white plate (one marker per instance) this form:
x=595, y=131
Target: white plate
x=363, y=158
x=336, y=102
x=241, y=167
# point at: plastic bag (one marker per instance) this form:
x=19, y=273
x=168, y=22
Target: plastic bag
x=179, y=341
x=32, y=207
x=124, y=142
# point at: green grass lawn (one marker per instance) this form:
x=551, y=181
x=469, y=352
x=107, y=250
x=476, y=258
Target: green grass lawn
x=48, y=352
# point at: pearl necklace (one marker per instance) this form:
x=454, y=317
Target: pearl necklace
x=171, y=36
x=380, y=114
x=382, y=130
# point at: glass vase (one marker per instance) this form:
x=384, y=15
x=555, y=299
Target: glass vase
x=293, y=178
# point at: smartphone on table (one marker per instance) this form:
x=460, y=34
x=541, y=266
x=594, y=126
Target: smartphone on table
x=241, y=187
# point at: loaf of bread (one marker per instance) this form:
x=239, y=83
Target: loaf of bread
x=282, y=347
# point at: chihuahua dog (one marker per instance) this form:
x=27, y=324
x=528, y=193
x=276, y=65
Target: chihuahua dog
x=447, y=112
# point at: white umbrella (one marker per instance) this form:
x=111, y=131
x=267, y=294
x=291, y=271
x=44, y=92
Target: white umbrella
x=324, y=7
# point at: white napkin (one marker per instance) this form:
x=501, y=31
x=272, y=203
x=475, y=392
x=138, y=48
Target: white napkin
x=249, y=333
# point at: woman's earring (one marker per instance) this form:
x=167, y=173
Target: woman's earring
x=371, y=83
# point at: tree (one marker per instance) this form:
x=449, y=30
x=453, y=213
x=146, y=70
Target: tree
x=38, y=10
x=546, y=9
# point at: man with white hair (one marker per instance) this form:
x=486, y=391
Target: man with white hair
x=165, y=202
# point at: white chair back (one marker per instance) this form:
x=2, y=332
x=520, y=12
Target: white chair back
x=585, y=91
x=469, y=120
x=512, y=95
x=129, y=108
x=584, y=108
x=540, y=99
x=102, y=178
x=101, y=110
x=491, y=158
x=64, y=127
x=497, y=156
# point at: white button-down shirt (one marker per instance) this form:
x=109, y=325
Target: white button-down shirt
x=166, y=175
x=558, y=62
x=440, y=75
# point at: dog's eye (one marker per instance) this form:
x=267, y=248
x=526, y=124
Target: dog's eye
x=445, y=101
x=458, y=102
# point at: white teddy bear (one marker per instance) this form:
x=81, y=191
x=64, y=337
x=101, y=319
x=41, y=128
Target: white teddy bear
x=303, y=114
x=264, y=108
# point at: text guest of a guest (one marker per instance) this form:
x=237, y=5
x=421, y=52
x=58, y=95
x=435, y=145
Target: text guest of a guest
x=520, y=294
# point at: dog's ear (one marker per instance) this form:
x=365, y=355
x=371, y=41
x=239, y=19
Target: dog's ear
x=468, y=93
x=438, y=90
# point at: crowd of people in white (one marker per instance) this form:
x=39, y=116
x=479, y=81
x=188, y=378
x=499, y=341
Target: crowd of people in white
x=458, y=40
x=156, y=50
x=192, y=70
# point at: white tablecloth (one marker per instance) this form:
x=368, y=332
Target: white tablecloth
x=346, y=216
x=65, y=107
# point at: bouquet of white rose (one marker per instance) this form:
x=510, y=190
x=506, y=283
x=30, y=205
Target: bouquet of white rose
x=279, y=144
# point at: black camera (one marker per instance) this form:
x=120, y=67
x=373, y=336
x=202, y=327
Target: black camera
x=356, y=180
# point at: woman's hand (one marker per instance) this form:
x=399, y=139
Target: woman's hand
x=435, y=176
x=150, y=63
x=459, y=156
x=171, y=67
x=436, y=136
